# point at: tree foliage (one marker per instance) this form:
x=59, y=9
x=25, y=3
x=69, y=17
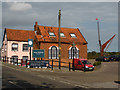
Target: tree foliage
x=94, y=55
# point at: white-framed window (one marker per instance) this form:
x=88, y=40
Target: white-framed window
x=76, y=52
x=51, y=34
x=72, y=35
x=53, y=52
x=14, y=59
x=62, y=35
x=25, y=47
x=14, y=47
x=25, y=58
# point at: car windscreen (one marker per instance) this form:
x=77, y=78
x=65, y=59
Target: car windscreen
x=85, y=62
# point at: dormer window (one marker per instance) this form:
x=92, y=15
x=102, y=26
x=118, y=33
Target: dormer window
x=62, y=35
x=51, y=34
x=72, y=35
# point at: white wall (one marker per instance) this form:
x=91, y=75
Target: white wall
x=20, y=53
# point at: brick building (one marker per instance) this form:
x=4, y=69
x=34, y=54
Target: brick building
x=47, y=38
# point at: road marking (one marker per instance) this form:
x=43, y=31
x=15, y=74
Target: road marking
x=14, y=83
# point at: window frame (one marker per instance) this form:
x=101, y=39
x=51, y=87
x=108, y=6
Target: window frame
x=52, y=35
x=25, y=56
x=23, y=47
x=12, y=47
x=50, y=53
x=15, y=59
x=63, y=34
x=73, y=36
x=70, y=53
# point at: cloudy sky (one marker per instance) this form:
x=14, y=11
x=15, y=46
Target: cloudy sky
x=82, y=15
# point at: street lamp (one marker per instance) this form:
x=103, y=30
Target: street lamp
x=73, y=47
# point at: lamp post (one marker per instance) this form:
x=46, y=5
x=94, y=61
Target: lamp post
x=73, y=46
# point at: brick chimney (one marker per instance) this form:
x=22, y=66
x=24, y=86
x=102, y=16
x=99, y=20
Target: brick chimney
x=36, y=28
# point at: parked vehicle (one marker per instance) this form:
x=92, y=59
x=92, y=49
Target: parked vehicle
x=118, y=58
x=103, y=59
x=114, y=58
x=79, y=64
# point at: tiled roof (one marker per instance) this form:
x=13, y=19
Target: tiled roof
x=19, y=35
x=44, y=30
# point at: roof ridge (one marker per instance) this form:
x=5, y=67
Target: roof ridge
x=17, y=29
x=57, y=27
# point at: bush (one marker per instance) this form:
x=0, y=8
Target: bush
x=97, y=63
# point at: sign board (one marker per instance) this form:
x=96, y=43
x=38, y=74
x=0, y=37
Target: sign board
x=30, y=42
x=39, y=63
x=38, y=53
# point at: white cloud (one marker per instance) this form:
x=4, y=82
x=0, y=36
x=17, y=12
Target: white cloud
x=20, y=6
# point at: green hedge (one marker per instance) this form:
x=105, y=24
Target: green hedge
x=96, y=63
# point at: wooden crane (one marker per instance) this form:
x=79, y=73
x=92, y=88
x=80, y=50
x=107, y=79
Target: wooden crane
x=107, y=43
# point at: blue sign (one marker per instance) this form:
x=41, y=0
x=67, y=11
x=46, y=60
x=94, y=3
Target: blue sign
x=38, y=53
x=30, y=42
x=39, y=63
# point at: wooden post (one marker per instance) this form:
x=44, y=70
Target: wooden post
x=52, y=64
x=69, y=66
x=59, y=22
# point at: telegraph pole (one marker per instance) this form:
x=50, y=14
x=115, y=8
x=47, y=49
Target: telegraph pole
x=59, y=22
x=99, y=35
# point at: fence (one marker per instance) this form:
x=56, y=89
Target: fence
x=26, y=63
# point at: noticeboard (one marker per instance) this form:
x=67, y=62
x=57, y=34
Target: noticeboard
x=38, y=53
x=39, y=63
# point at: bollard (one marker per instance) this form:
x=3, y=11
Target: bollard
x=41, y=62
x=17, y=61
x=3, y=59
x=21, y=62
x=13, y=60
x=59, y=64
x=26, y=63
x=69, y=66
x=52, y=64
x=7, y=59
x=84, y=66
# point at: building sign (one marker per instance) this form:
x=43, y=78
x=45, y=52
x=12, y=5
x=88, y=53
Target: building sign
x=38, y=53
x=30, y=42
x=39, y=63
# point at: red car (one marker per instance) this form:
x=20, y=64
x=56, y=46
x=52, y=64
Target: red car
x=79, y=64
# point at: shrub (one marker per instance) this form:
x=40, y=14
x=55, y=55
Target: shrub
x=96, y=63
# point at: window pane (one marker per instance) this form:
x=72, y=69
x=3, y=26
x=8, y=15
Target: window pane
x=72, y=35
x=25, y=57
x=14, y=46
x=62, y=35
x=15, y=58
x=25, y=47
x=76, y=53
x=51, y=34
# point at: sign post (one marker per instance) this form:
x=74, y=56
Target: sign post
x=30, y=44
x=40, y=53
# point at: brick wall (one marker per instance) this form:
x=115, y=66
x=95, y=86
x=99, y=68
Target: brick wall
x=64, y=51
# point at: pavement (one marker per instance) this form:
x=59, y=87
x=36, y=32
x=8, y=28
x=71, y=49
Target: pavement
x=105, y=77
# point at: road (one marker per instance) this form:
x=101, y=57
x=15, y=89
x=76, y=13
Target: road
x=14, y=78
x=20, y=77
